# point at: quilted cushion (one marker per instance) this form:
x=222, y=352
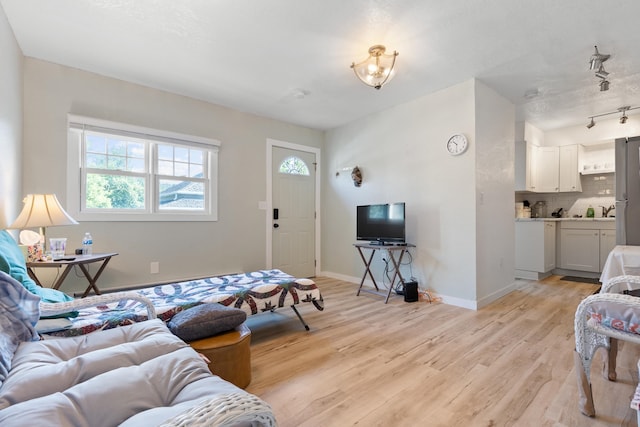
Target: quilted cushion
x=205, y=320
x=614, y=316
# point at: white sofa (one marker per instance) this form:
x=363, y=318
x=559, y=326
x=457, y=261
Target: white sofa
x=137, y=375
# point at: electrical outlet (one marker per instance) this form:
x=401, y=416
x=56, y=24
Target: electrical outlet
x=155, y=267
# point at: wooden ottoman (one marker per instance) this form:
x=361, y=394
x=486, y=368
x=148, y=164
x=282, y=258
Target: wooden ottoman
x=229, y=354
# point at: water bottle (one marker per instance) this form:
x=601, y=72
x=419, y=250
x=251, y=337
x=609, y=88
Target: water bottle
x=87, y=244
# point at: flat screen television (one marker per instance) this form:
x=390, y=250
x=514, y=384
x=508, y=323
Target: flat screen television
x=381, y=224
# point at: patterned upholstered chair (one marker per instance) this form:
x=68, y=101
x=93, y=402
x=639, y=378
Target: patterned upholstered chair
x=602, y=319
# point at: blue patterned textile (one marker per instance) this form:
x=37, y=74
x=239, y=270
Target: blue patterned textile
x=19, y=312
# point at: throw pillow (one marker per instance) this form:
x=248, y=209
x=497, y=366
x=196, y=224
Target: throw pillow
x=205, y=320
x=12, y=262
x=19, y=312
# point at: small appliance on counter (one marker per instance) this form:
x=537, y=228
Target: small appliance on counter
x=522, y=211
x=557, y=213
x=539, y=209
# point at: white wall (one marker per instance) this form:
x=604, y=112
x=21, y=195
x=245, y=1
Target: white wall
x=402, y=155
x=10, y=124
x=184, y=250
x=495, y=235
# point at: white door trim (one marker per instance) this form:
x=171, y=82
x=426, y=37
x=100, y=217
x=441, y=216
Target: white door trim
x=268, y=220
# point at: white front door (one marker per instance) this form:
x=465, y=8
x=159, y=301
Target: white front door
x=293, y=211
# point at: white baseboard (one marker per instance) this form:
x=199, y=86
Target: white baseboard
x=449, y=300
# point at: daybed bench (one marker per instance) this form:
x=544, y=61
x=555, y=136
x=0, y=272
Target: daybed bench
x=136, y=375
x=254, y=293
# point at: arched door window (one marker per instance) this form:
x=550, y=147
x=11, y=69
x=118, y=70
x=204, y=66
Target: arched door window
x=293, y=166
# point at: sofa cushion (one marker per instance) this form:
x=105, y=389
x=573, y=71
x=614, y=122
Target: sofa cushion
x=205, y=320
x=616, y=316
x=19, y=312
x=12, y=262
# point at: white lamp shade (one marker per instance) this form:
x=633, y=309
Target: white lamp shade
x=42, y=210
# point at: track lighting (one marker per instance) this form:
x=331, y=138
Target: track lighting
x=601, y=73
x=623, y=118
x=596, y=62
x=597, y=59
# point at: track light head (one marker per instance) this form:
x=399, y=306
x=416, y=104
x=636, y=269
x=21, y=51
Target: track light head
x=591, y=124
x=604, y=85
x=624, y=117
x=601, y=73
x=597, y=59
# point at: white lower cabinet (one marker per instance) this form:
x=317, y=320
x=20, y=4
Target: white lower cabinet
x=580, y=250
x=535, y=249
x=585, y=245
x=607, y=243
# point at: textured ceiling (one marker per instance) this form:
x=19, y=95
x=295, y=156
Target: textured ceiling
x=289, y=59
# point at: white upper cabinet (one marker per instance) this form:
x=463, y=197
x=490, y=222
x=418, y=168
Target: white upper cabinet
x=548, y=170
x=525, y=163
x=569, y=169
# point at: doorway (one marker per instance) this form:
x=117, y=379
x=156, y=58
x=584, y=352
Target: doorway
x=292, y=208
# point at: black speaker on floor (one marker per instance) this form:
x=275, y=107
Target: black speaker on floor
x=411, y=291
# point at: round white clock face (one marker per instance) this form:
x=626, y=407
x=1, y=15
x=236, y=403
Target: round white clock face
x=457, y=144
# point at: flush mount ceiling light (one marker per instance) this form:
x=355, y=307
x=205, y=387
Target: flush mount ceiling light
x=377, y=69
x=623, y=118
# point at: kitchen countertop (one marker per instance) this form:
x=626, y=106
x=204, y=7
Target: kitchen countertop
x=599, y=219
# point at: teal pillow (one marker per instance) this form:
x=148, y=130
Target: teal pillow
x=12, y=263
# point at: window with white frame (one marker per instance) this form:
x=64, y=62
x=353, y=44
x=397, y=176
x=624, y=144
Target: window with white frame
x=120, y=172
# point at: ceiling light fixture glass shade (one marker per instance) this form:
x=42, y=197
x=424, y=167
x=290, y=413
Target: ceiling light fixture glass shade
x=591, y=124
x=377, y=69
x=597, y=59
x=42, y=210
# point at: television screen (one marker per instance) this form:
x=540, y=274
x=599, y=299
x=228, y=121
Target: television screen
x=381, y=223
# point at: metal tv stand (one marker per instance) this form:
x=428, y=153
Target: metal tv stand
x=392, y=249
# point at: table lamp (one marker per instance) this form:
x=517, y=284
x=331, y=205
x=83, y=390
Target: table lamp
x=42, y=210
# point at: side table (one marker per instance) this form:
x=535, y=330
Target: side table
x=72, y=260
x=391, y=249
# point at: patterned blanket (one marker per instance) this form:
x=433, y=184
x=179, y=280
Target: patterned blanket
x=256, y=292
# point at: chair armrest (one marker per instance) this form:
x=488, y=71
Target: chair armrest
x=613, y=284
x=51, y=309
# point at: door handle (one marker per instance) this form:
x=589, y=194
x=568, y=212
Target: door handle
x=275, y=213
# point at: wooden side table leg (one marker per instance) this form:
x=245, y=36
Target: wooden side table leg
x=94, y=279
x=396, y=274
x=63, y=276
x=367, y=264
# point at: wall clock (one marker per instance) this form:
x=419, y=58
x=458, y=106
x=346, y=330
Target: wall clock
x=457, y=144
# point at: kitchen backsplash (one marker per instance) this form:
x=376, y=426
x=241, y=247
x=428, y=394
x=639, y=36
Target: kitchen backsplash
x=597, y=191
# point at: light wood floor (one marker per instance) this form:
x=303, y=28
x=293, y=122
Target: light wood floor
x=419, y=364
